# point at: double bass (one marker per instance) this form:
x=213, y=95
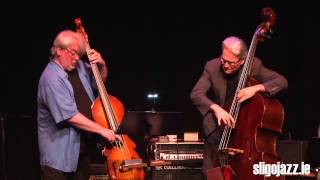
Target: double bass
x=108, y=111
x=258, y=121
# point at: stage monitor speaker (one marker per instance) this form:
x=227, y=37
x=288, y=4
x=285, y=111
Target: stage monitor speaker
x=292, y=151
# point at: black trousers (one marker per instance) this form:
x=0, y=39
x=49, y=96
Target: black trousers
x=210, y=153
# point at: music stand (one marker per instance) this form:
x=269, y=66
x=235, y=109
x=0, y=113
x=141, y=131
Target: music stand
x=151, y=123
x=141, y=125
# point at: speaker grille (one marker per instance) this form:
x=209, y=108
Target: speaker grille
x=181, y=174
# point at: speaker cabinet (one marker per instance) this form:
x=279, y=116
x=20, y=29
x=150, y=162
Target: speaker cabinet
x=98, y=171
x=312, y=155
x=177, y=174
x=292, y=152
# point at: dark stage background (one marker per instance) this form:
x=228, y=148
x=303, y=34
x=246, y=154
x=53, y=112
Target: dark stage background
x=153, y=49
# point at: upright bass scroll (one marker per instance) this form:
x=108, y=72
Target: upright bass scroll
x=108, y=111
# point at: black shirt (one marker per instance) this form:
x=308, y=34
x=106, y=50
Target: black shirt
x=232, y=83
x=83, y=104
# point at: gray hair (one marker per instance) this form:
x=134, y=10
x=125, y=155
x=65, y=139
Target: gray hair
x=65, y=39
x=236, y=46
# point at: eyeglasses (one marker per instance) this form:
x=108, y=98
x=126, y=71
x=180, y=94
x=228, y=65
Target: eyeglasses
x=73, y=52
x=224, y=61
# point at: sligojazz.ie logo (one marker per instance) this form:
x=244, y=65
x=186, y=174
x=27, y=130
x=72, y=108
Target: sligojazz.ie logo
x=281, y=169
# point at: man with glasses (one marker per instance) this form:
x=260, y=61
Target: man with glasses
x=217, y=85
x=64, y=115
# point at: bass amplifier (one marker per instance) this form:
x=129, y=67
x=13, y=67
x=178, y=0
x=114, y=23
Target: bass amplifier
x=186, y=158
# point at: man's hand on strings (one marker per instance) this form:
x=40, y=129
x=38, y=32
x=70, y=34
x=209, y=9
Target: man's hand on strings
x=95, y=57
x=108, y=134
x=249, y=92
x=114, y=138
x=222, y=115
